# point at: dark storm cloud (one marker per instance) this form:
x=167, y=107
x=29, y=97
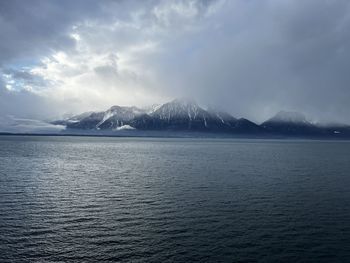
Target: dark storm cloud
x=251, y=58
x=263, y=56
x=35, y=28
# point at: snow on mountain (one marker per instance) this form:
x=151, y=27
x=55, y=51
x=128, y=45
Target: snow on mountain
x=179, y=108
x=117, y=116
x=79, y=117
x=290, y=117
x=179, y=114
x=187, y=115
x=152, y=108
x=125, y=127
x=291, y=123
x=184, y=114
x=114, y=117
x=224, y=117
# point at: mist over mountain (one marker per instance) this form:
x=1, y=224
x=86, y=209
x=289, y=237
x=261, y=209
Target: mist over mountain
x=187, y=115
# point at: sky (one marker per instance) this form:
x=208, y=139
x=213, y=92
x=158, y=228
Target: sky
x=251, y=58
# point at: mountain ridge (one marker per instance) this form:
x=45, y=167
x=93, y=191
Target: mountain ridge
x=187, y=115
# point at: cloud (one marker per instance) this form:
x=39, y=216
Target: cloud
x=251, y=58
x=16, y=125
x=24, y=103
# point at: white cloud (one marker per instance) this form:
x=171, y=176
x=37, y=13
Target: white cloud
x=18, y=125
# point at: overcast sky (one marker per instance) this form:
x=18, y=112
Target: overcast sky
x=251, y=58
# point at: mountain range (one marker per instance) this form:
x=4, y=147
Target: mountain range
x=187, y=115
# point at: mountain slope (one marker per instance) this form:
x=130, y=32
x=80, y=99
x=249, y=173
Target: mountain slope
x=118, y=116
x=113, y=118
x=187, y=115
x=183, y=114
x=224, y=117
x=290, y=123
x=179, y=114
x=87, y=123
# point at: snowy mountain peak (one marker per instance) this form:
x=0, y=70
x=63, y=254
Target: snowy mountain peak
x=186, y=115
x=117, y=115
x=187, y=108
x=290, y=117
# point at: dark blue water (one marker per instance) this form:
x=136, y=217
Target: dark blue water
x=71, y=199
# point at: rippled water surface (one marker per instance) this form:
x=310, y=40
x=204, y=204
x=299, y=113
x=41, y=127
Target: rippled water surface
x=71, y=199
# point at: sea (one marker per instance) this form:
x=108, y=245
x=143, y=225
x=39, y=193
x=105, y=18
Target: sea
x=110, y=199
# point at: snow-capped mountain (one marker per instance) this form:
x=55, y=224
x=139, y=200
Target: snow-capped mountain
x=113, y=118
x=118, y=116
x=152, y=108
x=87, y=123
x=187, y=115
x=179, y=114
x=183, y=114
x=224, y=117
x=179, y=108
x=72, y=119
x=290, y=117
x=286, y=122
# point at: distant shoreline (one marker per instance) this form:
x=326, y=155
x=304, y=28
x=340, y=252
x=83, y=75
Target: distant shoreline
x=155, y=134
